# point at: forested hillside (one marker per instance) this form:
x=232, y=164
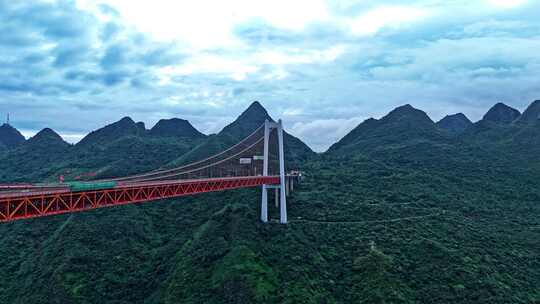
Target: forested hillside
x=251, y=119
x=401, y=210
x=126, y=147
x=118, y=149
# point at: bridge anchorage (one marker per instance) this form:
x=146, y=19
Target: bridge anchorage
x=257, y=160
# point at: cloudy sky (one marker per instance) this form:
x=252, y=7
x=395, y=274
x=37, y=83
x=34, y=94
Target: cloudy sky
x=322, y=66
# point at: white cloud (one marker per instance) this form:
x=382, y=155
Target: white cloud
x=372, y=21
x=276, y=74
x=206, y=24
x=298, y=56
x=239, y=67
x=321, y=133
x=507, y=3
x=319, y=67
x=204, y=64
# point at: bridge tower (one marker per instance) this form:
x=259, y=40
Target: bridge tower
x=268, y=127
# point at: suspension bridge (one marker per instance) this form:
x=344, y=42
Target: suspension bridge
x=257, y=160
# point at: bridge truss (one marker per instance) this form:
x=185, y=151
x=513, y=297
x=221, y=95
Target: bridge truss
x=254, y=161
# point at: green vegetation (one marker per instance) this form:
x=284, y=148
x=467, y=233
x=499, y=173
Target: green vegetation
x=251, y=119
x=128, y=154
x=415, y=215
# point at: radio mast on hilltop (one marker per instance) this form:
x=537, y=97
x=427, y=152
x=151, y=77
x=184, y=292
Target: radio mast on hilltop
x=7, y=120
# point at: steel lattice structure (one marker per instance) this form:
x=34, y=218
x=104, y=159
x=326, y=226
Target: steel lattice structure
x=16, y=206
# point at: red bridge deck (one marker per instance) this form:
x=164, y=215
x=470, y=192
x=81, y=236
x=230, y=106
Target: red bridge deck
x=23, y=204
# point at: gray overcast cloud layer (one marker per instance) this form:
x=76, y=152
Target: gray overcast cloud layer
x=75, y=66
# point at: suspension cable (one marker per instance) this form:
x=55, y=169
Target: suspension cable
x=158, y=172
x=199, y=169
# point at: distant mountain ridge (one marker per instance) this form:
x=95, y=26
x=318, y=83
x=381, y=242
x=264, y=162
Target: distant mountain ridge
x=121, y=148
x=502, y=114
x=405, y=127
x=175, y=127
x=408, y=114
x=126, y=147
x=531, y=114
x=123, y=127
x=401, y=125
x=47, y=137
x=126, y=142
x=10, y=137
x=455, y=124
x=246, y=123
